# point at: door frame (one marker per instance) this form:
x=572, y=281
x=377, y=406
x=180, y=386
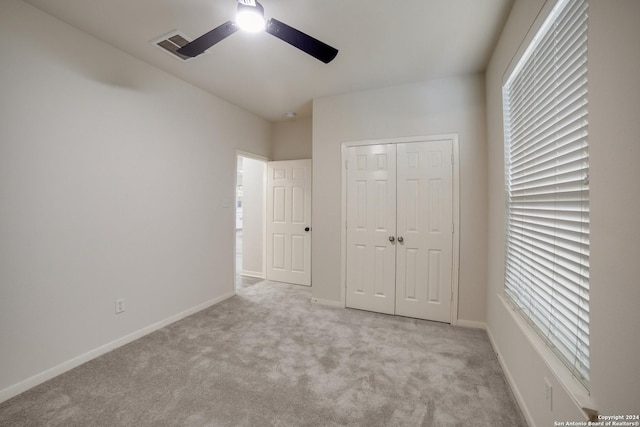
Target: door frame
x=455, y=268
x=241, y=153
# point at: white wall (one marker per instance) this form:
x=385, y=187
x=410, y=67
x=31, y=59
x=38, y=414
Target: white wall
x=254, y=175
x=292, y=140
x=113, y=176
x=614, y=129
x=455, y=105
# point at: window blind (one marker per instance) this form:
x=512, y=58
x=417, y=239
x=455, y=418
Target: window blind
x=547, y=184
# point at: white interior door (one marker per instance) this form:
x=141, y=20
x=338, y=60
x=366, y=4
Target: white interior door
x=399, y=229
x=371, y=216
x=289, y=221
x=424, y=250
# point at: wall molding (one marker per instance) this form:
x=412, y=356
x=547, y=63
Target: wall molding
x=256, y=274
x=512, y=384
x=471, y=324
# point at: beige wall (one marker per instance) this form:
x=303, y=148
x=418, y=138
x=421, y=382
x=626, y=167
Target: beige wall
x=116, y=181
x=292, y=140
x=614, y=129
x=455, y=105
x=254, y=173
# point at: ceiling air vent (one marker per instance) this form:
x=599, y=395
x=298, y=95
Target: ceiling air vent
x=171, y=42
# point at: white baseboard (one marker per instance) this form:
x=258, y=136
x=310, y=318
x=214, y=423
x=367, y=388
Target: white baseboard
x=256, y=274
x=327, y=302
x=471, y=324
x=37, y=379
x=511, y=382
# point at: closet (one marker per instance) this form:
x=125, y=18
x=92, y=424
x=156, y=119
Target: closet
x=399, y=230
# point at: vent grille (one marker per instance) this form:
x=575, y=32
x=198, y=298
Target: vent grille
x=171, y=42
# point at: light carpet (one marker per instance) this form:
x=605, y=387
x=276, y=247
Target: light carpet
x=268, y=357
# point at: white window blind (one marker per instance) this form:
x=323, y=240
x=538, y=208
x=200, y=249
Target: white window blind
x=547, y=179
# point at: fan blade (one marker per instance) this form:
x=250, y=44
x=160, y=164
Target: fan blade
x=302, y=41
x=207, y=40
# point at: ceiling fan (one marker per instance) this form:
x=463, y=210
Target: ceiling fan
x=250, y=17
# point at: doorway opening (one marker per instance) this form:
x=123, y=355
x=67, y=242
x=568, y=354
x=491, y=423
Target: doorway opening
x=250, y=220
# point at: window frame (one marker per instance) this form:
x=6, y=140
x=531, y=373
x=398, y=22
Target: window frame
x=535, y=39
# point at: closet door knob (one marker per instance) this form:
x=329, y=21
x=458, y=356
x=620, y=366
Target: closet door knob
x=392, y=239
x=400, y=239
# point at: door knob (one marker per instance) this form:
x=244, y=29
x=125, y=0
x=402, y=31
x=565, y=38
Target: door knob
x=400, y=239
x=392, y=239
x=307, y=229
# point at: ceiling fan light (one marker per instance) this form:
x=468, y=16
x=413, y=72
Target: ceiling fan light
x=250, y=18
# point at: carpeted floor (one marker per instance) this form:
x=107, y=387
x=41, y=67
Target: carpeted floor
x=268, y=357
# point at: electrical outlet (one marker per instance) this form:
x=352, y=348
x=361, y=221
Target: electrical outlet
x=119, y=305
x=548, y=394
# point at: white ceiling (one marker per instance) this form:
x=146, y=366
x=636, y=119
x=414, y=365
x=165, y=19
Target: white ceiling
x=381, y=43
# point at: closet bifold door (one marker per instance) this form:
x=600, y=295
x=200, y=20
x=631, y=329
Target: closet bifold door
x=400, y=229
x=371, y=227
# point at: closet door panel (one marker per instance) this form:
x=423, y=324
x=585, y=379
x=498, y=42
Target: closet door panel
x=371, y=216
x=425, y=230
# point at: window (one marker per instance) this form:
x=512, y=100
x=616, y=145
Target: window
x=547, y=184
